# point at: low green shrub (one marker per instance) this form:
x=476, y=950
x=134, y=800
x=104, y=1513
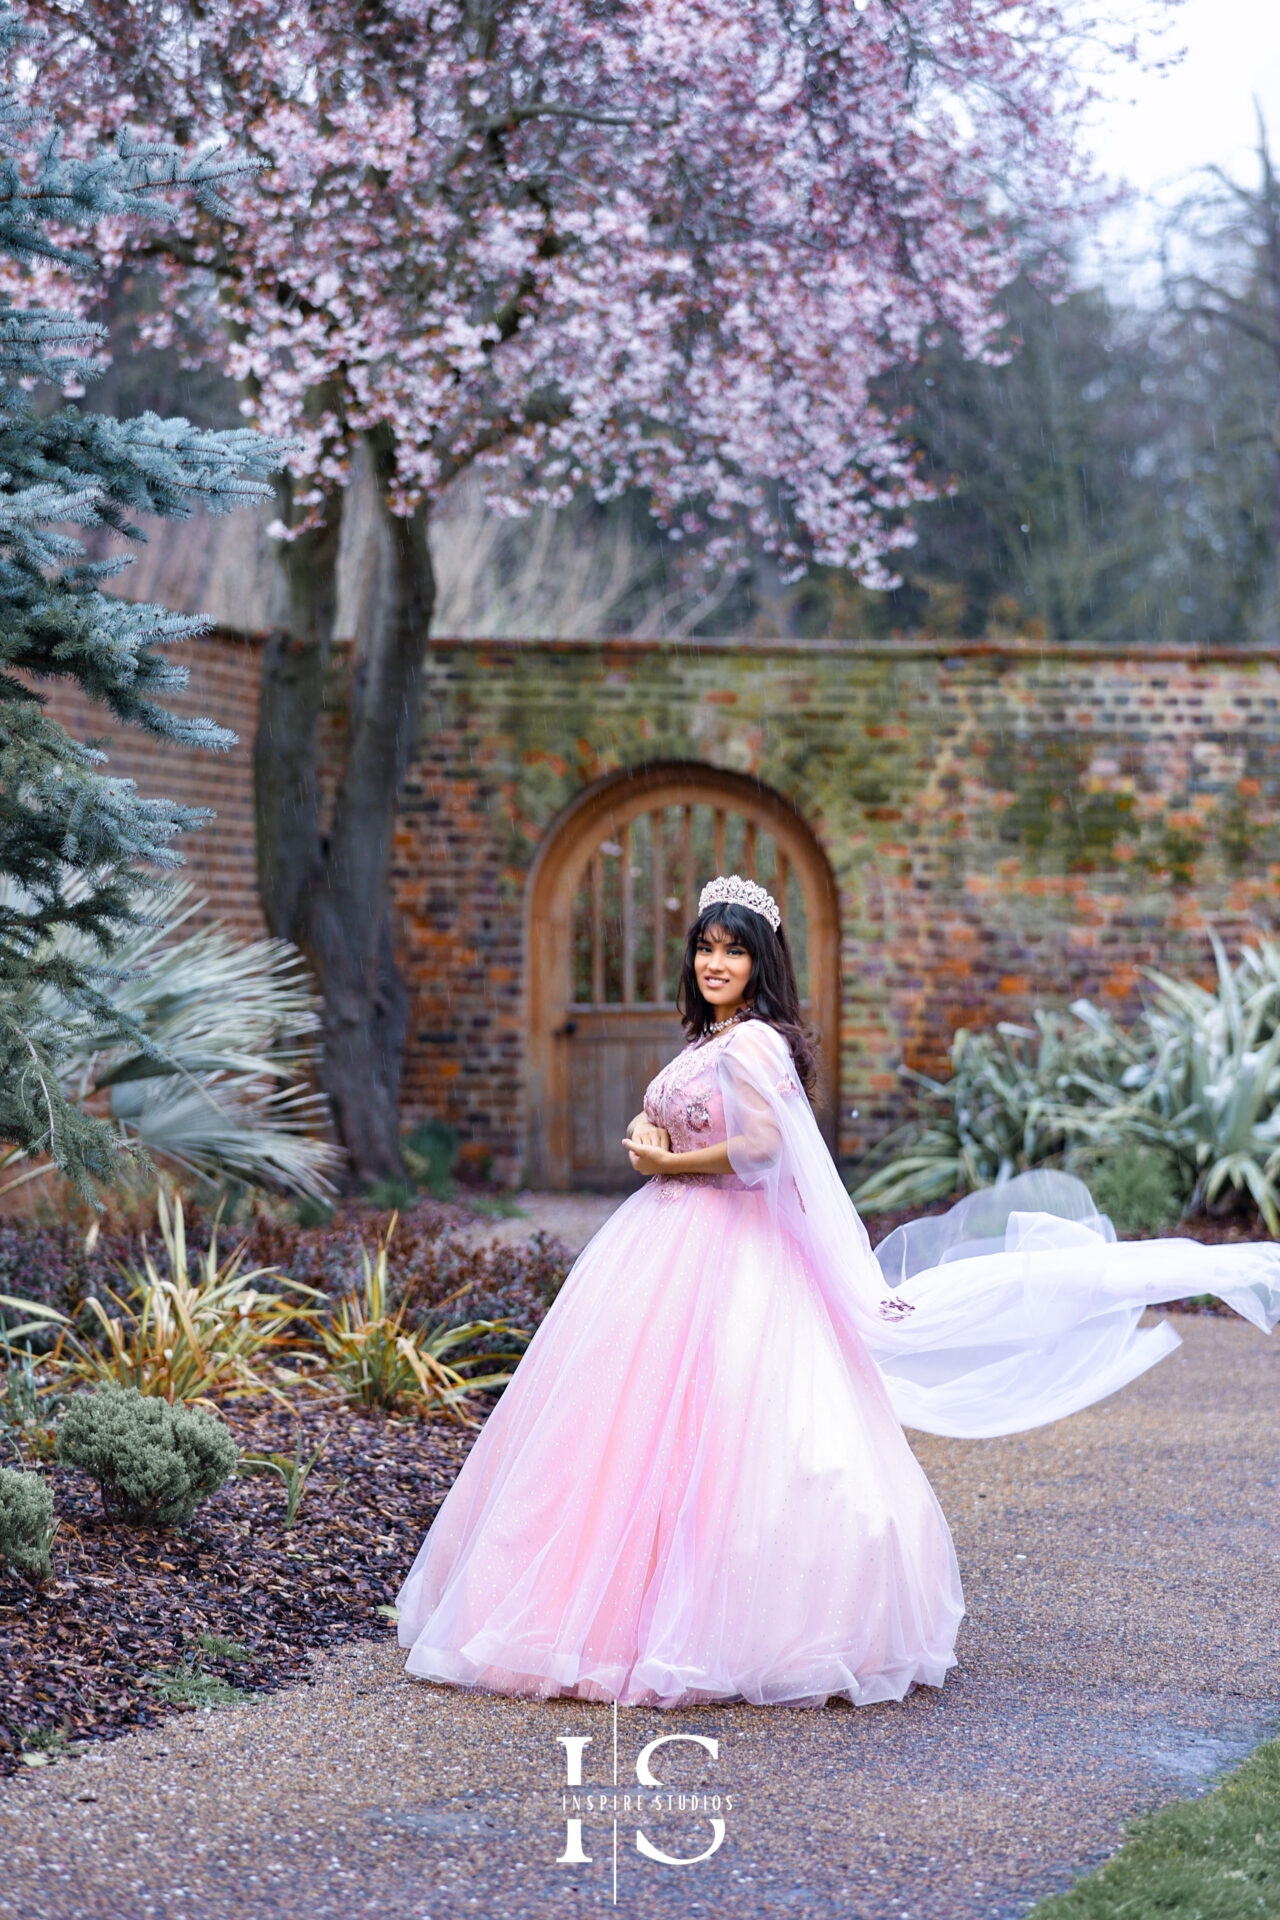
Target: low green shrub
x=1138, y=1187
x=430, y=1154
x=27, y=1525
x=189, y=1684
x=154, y=1463
x=46, y=1741
x=496, y=1206
x=221, y=1648
x=310, y=1212
x=391, y=1196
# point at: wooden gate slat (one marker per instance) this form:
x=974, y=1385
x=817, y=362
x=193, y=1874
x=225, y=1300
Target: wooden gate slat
x=597, y=929
x=658, y=874
x=628, y=923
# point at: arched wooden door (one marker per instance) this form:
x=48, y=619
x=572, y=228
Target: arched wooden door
x=611, y=897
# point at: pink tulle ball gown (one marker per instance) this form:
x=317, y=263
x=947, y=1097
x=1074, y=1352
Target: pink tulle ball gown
x=697, y=1487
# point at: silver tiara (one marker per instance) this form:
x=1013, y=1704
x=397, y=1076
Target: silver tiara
x=734, y=891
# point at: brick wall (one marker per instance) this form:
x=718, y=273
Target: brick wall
x=223, y=686
x=1007, y=826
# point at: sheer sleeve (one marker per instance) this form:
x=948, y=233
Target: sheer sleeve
x=746, y=1067
x=1016, y=1308
x=774, y=1145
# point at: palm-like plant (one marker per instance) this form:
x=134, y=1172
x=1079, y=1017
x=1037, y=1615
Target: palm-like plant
x=216, y=1080
x=930, y=1166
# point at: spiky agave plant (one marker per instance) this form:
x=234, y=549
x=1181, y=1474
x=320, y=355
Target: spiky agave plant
x=1195, y=1082
x=1213, y=1088
x=1014, y=1100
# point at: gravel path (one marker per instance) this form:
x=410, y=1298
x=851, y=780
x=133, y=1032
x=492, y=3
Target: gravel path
x=571, y=1217
x=1121, y=1569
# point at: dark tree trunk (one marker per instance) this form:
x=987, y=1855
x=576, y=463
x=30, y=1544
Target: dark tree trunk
x=325, y=883
x=1272, y=281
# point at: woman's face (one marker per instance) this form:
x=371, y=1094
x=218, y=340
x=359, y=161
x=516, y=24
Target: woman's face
x=722, y=968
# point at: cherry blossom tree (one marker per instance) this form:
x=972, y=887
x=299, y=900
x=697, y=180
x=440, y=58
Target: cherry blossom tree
x=572, y=243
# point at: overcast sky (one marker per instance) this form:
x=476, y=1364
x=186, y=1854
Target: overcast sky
x=1156, y=128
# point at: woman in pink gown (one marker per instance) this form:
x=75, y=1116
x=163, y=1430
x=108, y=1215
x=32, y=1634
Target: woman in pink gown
x=697, y=1487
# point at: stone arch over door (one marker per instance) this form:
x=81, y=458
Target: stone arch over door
x=615, y=883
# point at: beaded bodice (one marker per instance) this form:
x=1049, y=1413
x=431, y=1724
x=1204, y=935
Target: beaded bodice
x=685, y=1097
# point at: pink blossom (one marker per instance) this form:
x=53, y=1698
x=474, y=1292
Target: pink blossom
x=611, y=245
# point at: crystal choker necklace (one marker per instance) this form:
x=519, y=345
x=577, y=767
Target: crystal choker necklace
x=718, y=1026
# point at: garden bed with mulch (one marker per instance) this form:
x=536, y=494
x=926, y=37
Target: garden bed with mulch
x=138, y=1623
x=134, y=1623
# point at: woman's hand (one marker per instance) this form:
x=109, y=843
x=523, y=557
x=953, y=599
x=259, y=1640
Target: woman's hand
x=644, y=1133
x=650, y=1154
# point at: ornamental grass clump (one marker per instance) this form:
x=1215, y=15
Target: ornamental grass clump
x=27, y=1525
x=180, y=1335
x=293, y=1473
x=27, y=1406
x=381, y=1361
x=154, y=1463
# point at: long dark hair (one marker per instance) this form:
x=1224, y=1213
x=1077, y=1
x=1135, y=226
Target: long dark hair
x=771, y=992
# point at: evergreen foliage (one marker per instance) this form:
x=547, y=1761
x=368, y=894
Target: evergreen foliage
x=154, y=1463
x=77, y=841
x=26, y=1522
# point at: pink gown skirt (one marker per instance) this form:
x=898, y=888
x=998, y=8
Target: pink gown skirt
x=694, y=1489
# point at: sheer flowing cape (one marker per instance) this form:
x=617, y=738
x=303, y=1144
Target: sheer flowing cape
x=1016, y=1307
